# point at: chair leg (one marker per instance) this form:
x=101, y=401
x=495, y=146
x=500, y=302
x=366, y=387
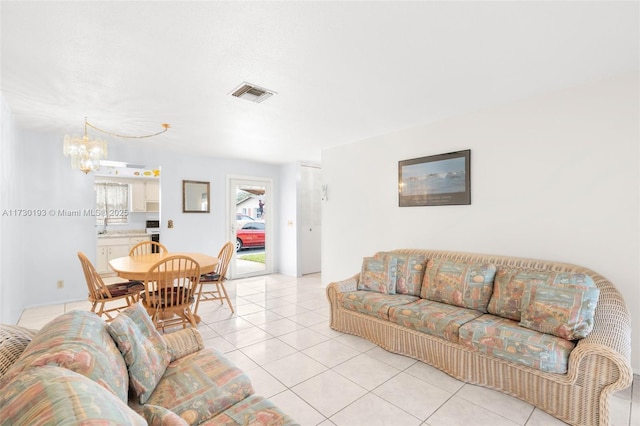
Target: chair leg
x=189, y=316
x=199, y=297
x=226, y=296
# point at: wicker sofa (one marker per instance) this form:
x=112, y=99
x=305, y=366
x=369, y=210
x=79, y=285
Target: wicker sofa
x=78, y=369
x=467, y=343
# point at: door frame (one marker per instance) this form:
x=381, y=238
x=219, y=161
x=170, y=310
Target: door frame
x=232, y=182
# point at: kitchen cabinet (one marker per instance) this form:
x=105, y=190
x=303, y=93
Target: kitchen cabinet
x=112, y=247
x=138, y=202
x=145, y=196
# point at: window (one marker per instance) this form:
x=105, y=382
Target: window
x=112, y=203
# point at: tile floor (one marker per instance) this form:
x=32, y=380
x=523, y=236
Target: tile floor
x=280, y=337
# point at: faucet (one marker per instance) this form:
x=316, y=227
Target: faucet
x=104, y=230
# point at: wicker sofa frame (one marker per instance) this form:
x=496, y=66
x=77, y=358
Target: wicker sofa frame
x=598, y=366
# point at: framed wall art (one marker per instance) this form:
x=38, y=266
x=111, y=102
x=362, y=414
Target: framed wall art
x=436, y=180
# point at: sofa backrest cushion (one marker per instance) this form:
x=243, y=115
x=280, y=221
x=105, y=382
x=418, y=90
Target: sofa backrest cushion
x=508, y=290
x=409, y=272
x=51, y=395
x=378, y=274
x=563, y=306
x=145, y=352
x=78, y=341
x=460, y=283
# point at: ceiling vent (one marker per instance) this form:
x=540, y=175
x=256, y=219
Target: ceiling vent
x=252, y=93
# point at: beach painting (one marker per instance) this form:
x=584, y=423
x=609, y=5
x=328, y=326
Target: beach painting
x=436, y=180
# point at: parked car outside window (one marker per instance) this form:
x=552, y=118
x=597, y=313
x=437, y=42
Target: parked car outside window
x=250, y=235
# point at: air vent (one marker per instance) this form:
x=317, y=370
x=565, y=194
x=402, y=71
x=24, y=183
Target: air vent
x=252, y=93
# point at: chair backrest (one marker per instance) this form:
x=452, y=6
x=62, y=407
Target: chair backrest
x=147, y=247
x=224, y=258
x=172, y=282
x=97, y=288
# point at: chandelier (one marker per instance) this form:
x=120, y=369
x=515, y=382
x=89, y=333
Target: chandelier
x=87, y=152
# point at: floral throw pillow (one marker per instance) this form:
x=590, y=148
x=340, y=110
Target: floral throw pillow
x=564, y=306
x=410, y=271
x=460, y=283
x=509, y=287
x=378, y=275
x=143, y=349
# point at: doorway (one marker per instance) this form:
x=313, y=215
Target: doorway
x=250, y=216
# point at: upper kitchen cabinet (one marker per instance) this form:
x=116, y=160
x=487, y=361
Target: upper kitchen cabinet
x=145, y=196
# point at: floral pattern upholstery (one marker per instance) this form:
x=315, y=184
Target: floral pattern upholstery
x=410, y=271
x=564, y=306
x=459, y=283
x=200, y=386
x=78, y=341
x=378, y=274
x=143, y=349
x=438, y=319
x=504, y=338
x=254, y=411
x=372, y=303
x=160, y=416
x=508, y=290
x=52, y=395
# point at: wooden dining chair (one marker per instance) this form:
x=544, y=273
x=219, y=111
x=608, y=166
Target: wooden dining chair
x=216, y=279
x=147, y=247
x=123, y=294
x=169, y=291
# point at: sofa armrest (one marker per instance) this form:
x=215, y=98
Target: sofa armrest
x=350, y=284
x=605, y=353
x=13, y=341
x=183, y=342
x=334, y=289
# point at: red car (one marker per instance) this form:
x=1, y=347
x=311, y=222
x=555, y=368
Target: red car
x=250, y=235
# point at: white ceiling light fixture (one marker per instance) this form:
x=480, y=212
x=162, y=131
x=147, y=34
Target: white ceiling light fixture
x=252, y=93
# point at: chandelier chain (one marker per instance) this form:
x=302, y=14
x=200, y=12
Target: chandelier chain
x=164, y=125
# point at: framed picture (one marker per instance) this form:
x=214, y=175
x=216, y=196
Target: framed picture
x=437, y=180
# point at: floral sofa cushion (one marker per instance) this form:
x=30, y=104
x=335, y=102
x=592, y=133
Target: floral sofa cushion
x=504, y=338
x=78, y=341
x=200, y=386
x=52, y=395
x=438, y=319
x=373, y=303
x=255, y=411
x=378, y=274
x=563, y=306
x=409, y=272
x=144, y=351
x=508, y=290
x=160, y=416
x=460, y=283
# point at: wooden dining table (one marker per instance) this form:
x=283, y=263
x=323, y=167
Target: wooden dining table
x=136, y=267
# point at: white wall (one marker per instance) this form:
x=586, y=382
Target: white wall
x=12, y=294
x=552, y=177
x=38, y=251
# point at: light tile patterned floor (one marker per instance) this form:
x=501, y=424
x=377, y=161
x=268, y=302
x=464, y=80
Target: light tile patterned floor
x=280, y=337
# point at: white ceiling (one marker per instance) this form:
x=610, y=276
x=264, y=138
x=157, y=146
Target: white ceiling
x=343, y=71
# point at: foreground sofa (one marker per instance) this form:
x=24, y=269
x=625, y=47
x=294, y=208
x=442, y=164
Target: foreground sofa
x=78, y=369
x=555, y=335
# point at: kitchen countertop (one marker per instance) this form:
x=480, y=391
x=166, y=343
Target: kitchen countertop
x=124, y=234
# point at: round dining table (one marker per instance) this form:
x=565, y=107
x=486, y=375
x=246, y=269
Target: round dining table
x=136, y=267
